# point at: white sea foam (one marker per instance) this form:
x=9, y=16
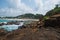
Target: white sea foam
x=11, y=27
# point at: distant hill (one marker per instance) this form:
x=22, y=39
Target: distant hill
x=30, y=16
x=25, y=16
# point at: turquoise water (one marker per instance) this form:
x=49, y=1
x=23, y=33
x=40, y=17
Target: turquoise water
x=1, y=20
x=10, y=27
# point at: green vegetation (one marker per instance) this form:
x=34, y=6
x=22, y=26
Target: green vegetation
x=25, y=16
x=56, y=10
x=30, y=16
x=46, y=17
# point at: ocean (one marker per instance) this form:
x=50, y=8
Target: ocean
x=14, y=27
x=10, y=27
x=3, y=20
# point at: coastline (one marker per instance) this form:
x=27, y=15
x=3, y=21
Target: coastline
x=22, y=19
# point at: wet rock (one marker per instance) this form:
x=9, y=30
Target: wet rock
x=13, y=22
x=21, y=27
x=2, y=24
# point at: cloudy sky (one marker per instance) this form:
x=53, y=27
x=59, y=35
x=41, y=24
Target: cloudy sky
x=18, y=7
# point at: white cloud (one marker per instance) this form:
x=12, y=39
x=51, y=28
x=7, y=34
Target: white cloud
x=46, y=5
x=9, y=12
x=19, y=7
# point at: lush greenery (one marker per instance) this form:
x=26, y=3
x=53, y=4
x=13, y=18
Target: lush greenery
x=30, y=15
x=26, y=16
x=56, y=10
x=52, y=12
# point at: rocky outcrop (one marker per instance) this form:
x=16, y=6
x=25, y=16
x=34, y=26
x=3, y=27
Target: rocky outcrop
x=52, y=23
x=13, y=22
x=2, y=24
x=3, y=32
x=34, y=31
x=32, y=34
x=10, y=23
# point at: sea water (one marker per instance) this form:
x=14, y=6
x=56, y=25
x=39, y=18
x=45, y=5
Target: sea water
x=10, y=27
x=13, y=27
x=3, y=20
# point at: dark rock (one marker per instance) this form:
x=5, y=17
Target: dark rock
x=2, y=24
x=13, y=22
x=3, y=32
x=21, y=27
x=52, y=23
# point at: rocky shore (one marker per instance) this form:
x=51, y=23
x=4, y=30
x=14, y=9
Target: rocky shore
x=37, y=30
x=11, y=23
x=31, y=34
x=33, y=31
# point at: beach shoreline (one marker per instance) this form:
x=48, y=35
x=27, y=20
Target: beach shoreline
x=22, y=19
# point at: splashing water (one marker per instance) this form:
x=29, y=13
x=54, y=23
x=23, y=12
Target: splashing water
x=12, y=27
